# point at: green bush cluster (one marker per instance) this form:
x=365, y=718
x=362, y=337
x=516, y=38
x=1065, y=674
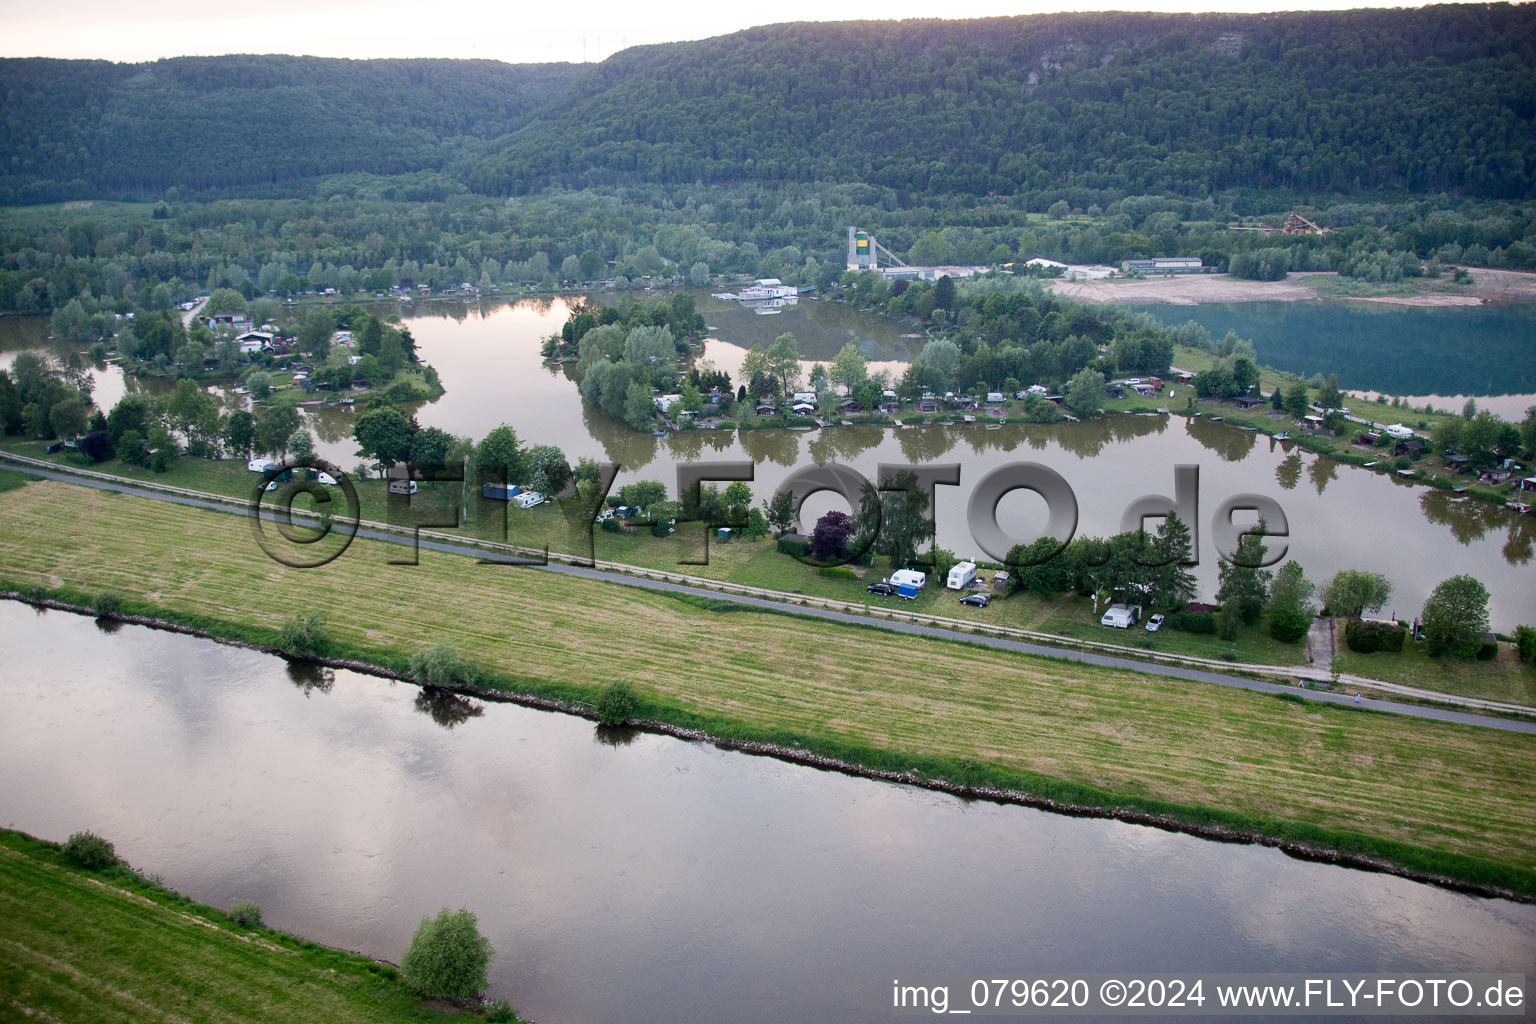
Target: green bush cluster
x=616, y=704
x=1367, y=637
x=1525, y=642
x=1193, y=622
x=795, y=547
x=246, y=914
x=89, y=851
x=837, y=572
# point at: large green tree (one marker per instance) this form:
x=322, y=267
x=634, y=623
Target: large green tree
x=1455, y=618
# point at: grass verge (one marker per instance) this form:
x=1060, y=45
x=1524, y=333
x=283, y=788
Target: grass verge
x=111, y=946
x=1432, y=798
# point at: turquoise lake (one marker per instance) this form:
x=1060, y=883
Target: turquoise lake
x=1401, y=350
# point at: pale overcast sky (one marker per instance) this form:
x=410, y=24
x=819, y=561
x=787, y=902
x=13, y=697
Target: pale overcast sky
x=515, y=32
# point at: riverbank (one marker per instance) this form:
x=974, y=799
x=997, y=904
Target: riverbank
x=1194, y=289
x=1430, y=800
x=113, y=946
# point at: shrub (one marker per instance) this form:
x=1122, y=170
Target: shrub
x=246, y=914
x=616, y=704
x=794, y=547
x=1366, y=637
x=499, y=1011
x=107, y=604
x=304, y=635
x=448, y=957
x=89, y=851
x=440, y=665
x=1193, y=622
x=837, y=572
x=1488, y=650
x=1525, y=642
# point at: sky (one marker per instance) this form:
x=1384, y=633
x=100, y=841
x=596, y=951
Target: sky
x=514, y=32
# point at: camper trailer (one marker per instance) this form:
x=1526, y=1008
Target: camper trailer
x=961, y=575
x=1119, y=616
x=909, y=577
x=528, y=499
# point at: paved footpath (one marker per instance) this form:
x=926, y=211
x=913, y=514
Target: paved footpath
x=909, y=628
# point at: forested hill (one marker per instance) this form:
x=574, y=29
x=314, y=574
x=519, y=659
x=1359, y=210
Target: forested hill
x=1430, y=100
x=1423, y=100
x=77, y=128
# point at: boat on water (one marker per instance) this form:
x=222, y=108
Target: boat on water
x=1517, y=506
x=968, y=419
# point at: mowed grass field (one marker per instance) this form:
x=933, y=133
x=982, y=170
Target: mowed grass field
x=74, y=947
x=1134, y=740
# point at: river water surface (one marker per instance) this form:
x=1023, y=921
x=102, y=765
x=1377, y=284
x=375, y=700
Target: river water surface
x=642, y=878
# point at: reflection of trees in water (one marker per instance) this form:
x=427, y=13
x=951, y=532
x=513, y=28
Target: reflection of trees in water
x=1288, y=472
x=445, y=708
x=309, y=677
x=1468, y=520
x=330, y=423
x=614, y=735
x=1229, y=443
x=108, y=626
x=924, y=444
x=843, y=444
x=686, y=445
x=622, y=446
x=1322, y=471
x=781, y=447
x=1522, y=535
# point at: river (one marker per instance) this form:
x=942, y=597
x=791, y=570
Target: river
x=638, y=877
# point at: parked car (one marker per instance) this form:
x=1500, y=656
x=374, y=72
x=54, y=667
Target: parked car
x=1154, y=624
x=882, y=588
x=55, y=448
x=979, y=600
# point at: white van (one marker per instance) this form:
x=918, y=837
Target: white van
x=1119, y=616
x=528, y=499
x=961, y=575
x=910, y=577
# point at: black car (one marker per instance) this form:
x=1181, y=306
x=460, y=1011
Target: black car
x=883, y=588
x=979, y=600
x=55, y=448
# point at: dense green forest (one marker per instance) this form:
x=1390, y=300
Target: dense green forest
x=1426, y=100
x=75, y=129
x=1082, y=108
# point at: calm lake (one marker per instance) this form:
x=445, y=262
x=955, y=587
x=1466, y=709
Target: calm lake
x=1339, y=516
x=641, y=878
x=1442, y=354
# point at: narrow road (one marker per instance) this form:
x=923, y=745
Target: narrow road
x=911, y=629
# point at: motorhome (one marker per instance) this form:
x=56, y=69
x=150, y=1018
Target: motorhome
x=961, y=575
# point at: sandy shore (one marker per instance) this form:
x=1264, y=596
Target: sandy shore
x=1194, y=289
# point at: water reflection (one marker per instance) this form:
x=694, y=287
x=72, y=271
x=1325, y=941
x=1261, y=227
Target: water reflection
x=615, y=735
x=446, y=708
x=1323, y=470
x=1231, y=444
x=613, y=870
x=310, y=677
x=1288, y=472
